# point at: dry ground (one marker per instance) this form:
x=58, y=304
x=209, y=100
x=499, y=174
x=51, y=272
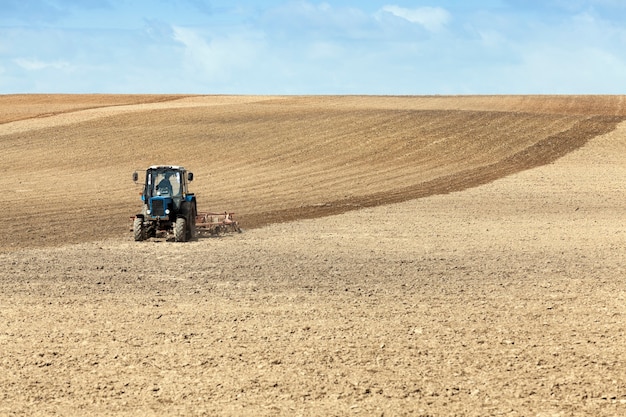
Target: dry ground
x=477, y=267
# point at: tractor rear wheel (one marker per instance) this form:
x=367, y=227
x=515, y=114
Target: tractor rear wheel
x=139, y=230
x=191, y=233
x=188, y=210
x=180, y=230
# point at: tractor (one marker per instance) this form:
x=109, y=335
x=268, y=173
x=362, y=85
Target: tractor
x=167, y=205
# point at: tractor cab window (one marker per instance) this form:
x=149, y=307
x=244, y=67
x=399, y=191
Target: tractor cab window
x=167, y=184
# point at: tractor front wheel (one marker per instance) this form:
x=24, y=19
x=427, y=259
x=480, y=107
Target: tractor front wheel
x=180, y=230
x=139, y=230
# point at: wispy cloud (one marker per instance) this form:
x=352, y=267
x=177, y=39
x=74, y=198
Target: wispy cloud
x=218, y=58
x=34, y=64
x=46, y=11
x=433, y=19
x=307, y=20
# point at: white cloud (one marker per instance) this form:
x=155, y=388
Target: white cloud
x=434, y=19
x=582, y=70
x=219, y=58
x=34, y=64
x=304, y=20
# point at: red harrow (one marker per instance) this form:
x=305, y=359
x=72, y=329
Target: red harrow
x=216, y=223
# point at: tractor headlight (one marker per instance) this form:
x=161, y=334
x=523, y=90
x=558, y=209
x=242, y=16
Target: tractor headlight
x=167, y=211
x=148, y=211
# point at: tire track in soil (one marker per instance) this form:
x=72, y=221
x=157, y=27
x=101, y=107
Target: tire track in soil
x=542, y=153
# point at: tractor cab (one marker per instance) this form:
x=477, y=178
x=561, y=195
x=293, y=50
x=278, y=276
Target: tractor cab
x=166, y=182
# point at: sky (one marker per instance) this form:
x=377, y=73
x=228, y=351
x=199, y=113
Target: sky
x=387, y=47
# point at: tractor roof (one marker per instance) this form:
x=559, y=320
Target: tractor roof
x=172, y=167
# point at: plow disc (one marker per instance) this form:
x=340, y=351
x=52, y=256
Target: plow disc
x=216, y=223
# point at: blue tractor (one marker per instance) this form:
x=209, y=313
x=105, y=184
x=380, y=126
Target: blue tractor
x=167, y=205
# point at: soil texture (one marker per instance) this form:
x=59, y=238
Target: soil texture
x=423, y=256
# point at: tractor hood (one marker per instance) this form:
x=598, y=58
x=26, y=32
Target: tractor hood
x=160, y=207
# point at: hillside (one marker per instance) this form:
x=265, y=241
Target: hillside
x=270, y=159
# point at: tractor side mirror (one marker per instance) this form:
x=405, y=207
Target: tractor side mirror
x=190, y=176
x=135, y=176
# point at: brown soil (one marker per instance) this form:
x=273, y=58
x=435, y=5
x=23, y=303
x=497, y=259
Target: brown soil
x=477, y=268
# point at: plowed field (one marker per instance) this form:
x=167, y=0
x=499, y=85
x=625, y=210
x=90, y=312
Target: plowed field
x=401, y=256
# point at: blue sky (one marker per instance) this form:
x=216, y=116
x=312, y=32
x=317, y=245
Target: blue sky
x=313, y=47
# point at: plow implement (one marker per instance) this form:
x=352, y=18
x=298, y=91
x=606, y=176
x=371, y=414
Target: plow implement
x=216, y=223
